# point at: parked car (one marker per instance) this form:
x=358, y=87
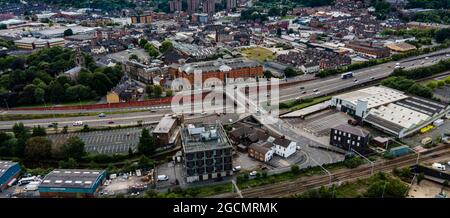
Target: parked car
x=236, y=168
x=438, y=166
x=163, y=178
x=253, y=173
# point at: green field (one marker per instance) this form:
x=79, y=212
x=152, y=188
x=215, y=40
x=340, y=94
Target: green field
x=258, y=54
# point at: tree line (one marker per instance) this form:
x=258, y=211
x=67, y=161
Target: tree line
x=38, y=78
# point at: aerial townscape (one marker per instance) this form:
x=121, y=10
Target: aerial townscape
x=224, y=99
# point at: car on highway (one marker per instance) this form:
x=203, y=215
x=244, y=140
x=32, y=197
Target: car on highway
x=301, y=88
x=77, y=123
x=50, y=125
x=315, y=90
x=110, y=122
x=372, y=78
x=304, y=92
x=153, y=110
x=317, y=93
x=101, y=115
x=447, y=55
x=356, y=81
x=426, y=58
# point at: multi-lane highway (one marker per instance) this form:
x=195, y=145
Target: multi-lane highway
x=313, y=88
x=335, y=83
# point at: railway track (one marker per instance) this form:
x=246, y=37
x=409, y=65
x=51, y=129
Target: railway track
x=288, y=188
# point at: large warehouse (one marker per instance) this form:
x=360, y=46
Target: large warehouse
x=390, y=110
x=72, y=183
x=8, y=171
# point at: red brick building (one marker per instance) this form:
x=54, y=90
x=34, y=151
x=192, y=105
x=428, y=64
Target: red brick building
x=223, y=69
x=369, y=49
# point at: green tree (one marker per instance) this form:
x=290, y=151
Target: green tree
x=158, y=91
x=447, y=80
x=442, y=35
x=169, y=93
x=134, y=57
x=73, y=148
x=22, y=134
x=68, y=32
x=38, y=131
x=65, y=130
x=71, y=163
x=149, y=89
x=420, y=177
x=440, y=83
x=267, y=74
x=146, y=144
x=39, y=95
x=432, y=84
x=145, y=162
x=290, y=72
x=165, y=46
x=38, y=149
x=143, y=42
x=295, y=169
x=279, y=32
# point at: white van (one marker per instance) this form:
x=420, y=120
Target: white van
x=163, y=178
x=438, y=166
x=78, y=123
x=32, y=186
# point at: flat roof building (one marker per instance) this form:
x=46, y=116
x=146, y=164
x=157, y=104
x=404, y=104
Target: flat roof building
x=71, y=183
x=390, y=110
x=8, y=171
x=207, y=152
x=166, y=132
x=350, y=138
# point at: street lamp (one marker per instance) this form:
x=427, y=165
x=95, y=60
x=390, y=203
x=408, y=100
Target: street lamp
x=323, y=168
